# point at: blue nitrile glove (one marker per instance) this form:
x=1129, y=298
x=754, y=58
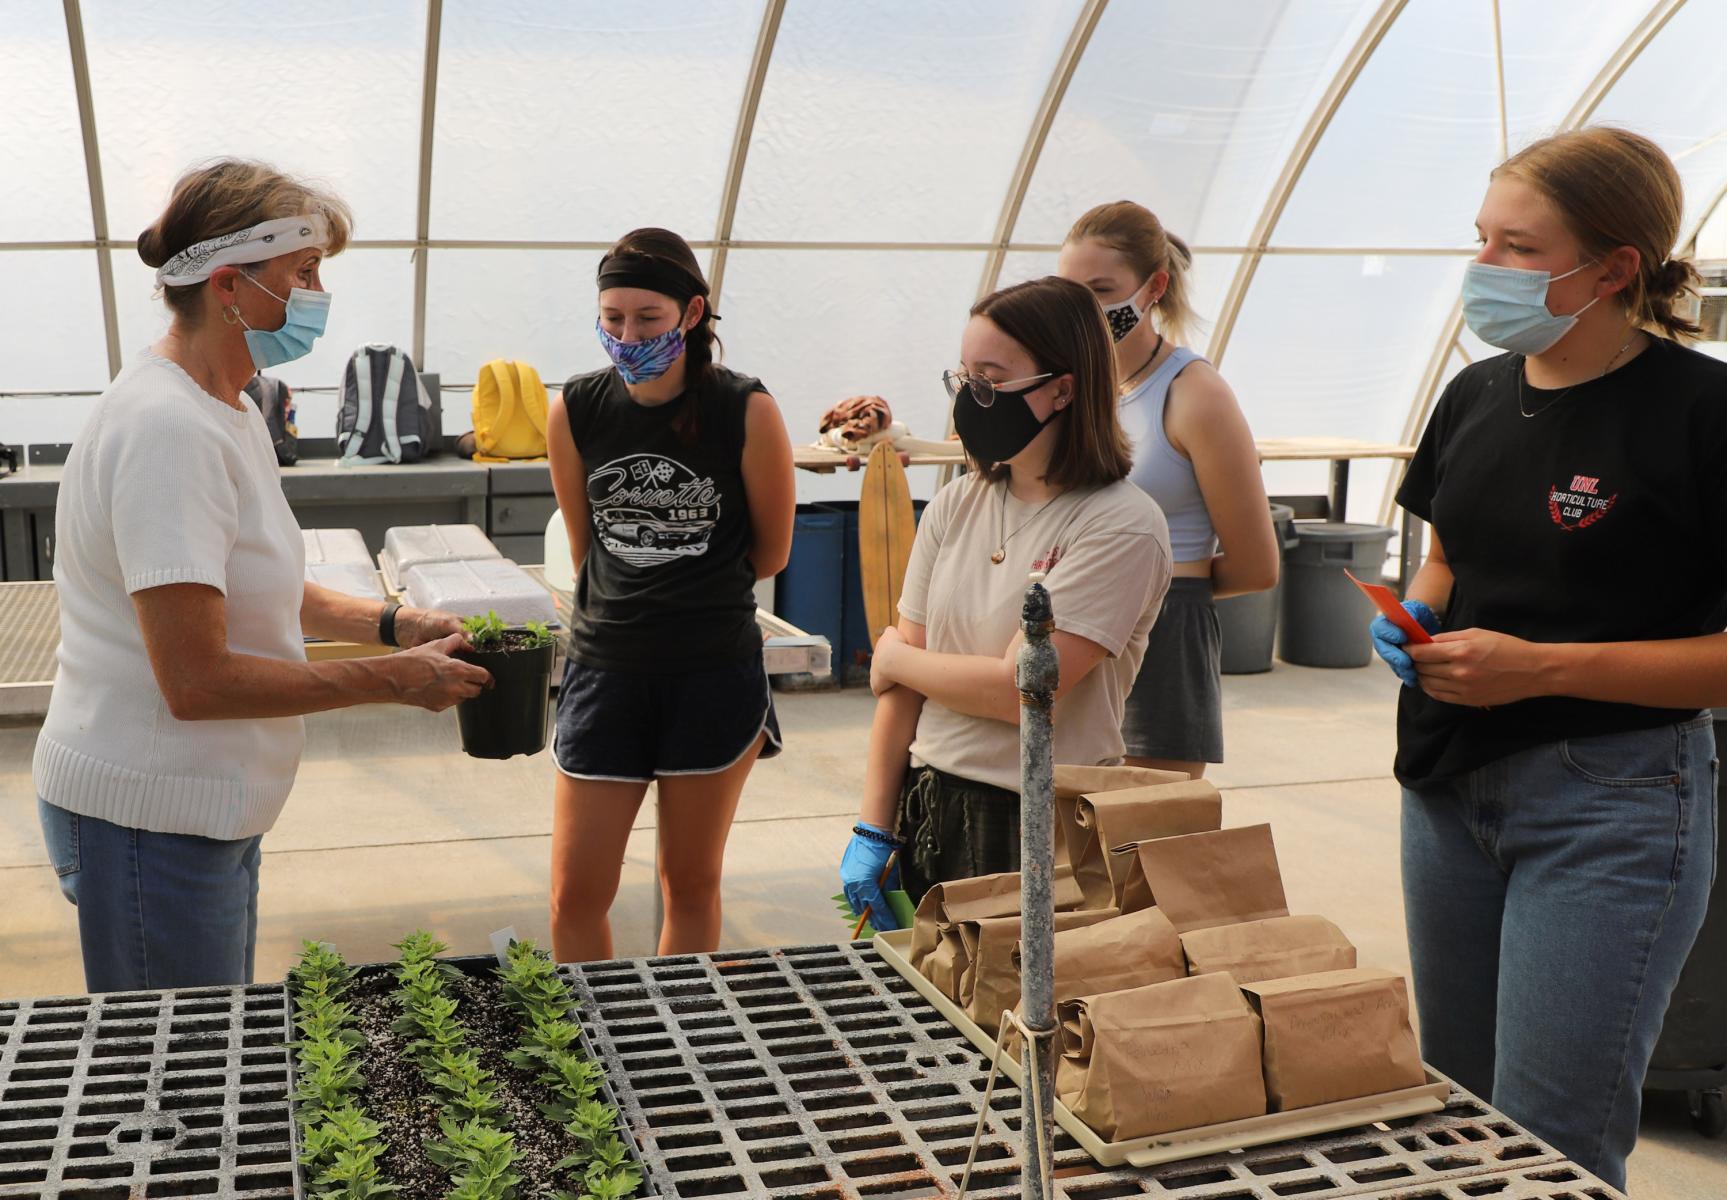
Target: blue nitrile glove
x=860, y=872
x=1388, y=639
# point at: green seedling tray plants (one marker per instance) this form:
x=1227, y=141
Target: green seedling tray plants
x=510, y=716
x=461, y=1078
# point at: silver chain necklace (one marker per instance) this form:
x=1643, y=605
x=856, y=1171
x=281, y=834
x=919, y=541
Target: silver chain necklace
x=1523, y=372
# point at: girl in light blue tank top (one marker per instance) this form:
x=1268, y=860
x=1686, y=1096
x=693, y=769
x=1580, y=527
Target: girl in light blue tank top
x=1193, y=453
x=1162, y=471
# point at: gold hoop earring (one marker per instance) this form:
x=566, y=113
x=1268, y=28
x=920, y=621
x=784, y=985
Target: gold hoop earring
x=231, y=314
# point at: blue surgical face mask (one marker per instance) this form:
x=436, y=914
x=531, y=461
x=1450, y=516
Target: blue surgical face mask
x=1507, y=307
x=308, y=311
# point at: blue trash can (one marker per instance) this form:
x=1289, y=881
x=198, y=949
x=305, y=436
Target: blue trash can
x=821, y=589
x=810, y=592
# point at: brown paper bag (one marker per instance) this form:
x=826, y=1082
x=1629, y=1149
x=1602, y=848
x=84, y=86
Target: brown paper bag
x=1154, y=1059
x=1072, y=780
x=1095, y=821
x=1114, y=955
x=1128, y=951
x=1336, y=1035
x=1275, y=948
x=946, y=905
x=1204, y=879
x=984, y=896
x=991, y=981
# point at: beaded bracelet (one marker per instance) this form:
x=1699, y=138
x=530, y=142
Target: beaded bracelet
x=874, y=835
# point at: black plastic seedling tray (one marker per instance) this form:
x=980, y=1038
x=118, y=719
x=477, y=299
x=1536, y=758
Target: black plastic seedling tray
x=474, y=965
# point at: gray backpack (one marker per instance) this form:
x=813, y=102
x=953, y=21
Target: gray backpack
x=386, y=417
x=275, y=400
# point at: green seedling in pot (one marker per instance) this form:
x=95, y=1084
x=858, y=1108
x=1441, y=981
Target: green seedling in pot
x=487, y=633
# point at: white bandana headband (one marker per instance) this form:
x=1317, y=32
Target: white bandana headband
x=267, y=240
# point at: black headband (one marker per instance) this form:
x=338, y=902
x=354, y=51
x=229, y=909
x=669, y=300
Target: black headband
x=629, y=269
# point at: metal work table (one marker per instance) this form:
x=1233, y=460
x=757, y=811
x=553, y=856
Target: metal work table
x=511, y=502
x=813, y=1073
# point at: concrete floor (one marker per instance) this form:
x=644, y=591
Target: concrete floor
x=390, y=829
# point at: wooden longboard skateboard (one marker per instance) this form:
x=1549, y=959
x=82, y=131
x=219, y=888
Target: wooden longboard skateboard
x=886, y=527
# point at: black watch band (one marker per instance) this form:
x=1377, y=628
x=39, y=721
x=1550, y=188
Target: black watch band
x=387, y=625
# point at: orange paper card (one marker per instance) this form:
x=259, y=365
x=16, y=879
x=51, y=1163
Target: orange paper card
x=1385, y=600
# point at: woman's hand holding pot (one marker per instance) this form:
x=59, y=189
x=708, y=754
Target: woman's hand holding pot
x=417, y=626
x=429, y=678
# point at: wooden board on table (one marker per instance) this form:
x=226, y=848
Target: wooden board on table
x=895, y=947
x=1320, y=449
x=321, y=651
x=886, y=527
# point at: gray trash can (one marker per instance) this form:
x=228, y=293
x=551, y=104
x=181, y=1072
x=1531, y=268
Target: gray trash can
x=1249, y=623
x=1325, y=617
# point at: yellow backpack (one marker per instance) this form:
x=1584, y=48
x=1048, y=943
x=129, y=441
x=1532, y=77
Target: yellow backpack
x=509, y=413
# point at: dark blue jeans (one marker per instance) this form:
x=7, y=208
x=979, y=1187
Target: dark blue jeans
x=1552, y=898
x=155, y=910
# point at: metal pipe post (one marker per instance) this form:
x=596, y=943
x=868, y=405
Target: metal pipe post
x=1036, y=673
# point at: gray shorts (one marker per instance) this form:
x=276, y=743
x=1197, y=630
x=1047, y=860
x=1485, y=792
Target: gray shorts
x=1175, y=710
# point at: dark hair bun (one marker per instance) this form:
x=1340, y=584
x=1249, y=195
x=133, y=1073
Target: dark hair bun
x=153, y=248
x=1672, y=277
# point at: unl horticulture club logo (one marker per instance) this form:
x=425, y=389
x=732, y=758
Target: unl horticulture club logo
x=649, y=509
x=1580, y=505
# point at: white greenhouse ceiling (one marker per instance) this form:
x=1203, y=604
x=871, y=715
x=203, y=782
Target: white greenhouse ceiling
x=856, y=173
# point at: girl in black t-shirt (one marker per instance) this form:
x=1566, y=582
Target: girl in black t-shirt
x=674, y=477
x=1559, y=775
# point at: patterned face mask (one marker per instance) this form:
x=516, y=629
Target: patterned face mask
x=1123, y=317
x=641, y=361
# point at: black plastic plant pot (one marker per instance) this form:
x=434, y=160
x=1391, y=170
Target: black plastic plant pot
x=510, y=717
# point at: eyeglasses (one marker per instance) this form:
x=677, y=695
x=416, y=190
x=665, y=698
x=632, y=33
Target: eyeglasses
x=983, y=390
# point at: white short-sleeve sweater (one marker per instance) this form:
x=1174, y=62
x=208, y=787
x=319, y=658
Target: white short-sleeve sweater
x=167, y=484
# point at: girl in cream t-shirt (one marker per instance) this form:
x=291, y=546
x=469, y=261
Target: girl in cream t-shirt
x=1034, y=404
x=1104, y=552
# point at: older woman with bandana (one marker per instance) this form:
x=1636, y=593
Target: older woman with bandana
x=175, y=729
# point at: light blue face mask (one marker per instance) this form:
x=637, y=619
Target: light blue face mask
x=308, y=311
x=1507, y=307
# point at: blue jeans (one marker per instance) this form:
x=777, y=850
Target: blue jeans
x=1552, y=898
x=155, y=910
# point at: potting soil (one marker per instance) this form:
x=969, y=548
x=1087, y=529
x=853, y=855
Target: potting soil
x=397, y=1096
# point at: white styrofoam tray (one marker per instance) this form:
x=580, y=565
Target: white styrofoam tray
x=349, y=578
x=410, y=546
x=471, y=589
x=328, y=546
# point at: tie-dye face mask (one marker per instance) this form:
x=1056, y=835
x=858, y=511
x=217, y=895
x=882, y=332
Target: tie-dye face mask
x=641, y=361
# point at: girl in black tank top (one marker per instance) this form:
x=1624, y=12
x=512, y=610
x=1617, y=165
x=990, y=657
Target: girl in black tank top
x=674, y=477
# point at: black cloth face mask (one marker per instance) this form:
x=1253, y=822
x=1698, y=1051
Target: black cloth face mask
x=997, y=433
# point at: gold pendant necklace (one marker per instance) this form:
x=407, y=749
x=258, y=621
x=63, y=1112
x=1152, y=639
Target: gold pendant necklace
x=1000, y=554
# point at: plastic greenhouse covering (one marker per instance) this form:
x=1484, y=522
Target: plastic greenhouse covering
x=855, y=174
